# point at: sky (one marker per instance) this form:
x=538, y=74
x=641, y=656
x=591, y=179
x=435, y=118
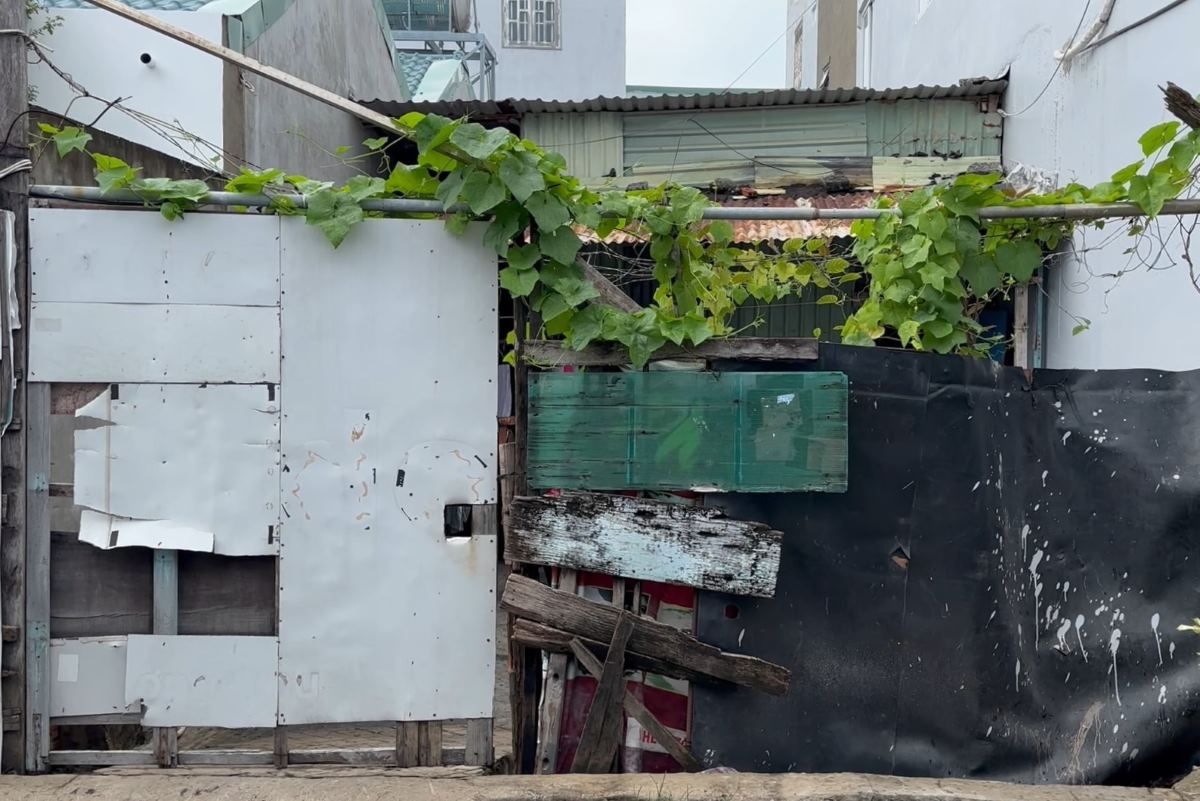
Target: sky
x=705, y=43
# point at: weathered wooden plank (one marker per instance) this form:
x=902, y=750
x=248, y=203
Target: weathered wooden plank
x=478, y=750
x=555, y=641
x=588, y=620
x=166, y=621
x=408, y=744
x=75, y=759
x=702, y=431
x=381, y=757
x=610, y=294
x=638, y=711
x=602, y=728
x=37, y=578
x=646, y=539
x=553, y=692
x=429, y=743
x=555, y=352
x=280, y=748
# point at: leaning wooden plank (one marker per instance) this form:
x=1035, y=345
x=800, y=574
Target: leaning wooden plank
x=638, y=711
x=553, y=693
x=767, y=349
x=557, y=643
x=610, y=294
x=602, y=728
x=581, y=617
x=646, y=539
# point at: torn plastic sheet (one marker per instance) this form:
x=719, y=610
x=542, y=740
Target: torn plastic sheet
x=188, y=467
x=106, y=531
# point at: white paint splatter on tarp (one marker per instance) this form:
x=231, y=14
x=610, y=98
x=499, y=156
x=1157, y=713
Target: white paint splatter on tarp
x=1017, y=685
x=1036, y=581
x=1154, y=621
x=1044, y=474
x=1162, y=694
x=1114, y=643
x=1079, y=621
x=1062, y=635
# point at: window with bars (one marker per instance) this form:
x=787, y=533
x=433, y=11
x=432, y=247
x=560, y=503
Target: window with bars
x=532, y=23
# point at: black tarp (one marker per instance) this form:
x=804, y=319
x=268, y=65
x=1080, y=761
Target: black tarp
x=931, y=615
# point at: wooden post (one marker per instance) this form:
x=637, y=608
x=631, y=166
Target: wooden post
x=14, y=197
x=429, y=743
x=408, y=744
x=553, y=694
x=479, y=742
x=166, y=621
x=1021, y=333
x=281, y=747
x=37, y=598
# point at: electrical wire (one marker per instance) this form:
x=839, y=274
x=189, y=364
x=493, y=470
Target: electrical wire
x=1057, y=68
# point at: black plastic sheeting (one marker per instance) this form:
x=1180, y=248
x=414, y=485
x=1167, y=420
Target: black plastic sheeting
x=997, y=595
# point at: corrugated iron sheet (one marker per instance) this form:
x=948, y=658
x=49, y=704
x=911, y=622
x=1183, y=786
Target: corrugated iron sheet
x=591, y=143
x=780, y=97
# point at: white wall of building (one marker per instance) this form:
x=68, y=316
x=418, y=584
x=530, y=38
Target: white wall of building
x=102, y=52
x=1084, y=127
x=802, y=31
x=590, y=63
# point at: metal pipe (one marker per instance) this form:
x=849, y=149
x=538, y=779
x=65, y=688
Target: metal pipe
x=1079, y=211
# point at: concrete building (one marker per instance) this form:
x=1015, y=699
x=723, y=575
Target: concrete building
x=195, y=108
x=821, y=44
x=1072, y=119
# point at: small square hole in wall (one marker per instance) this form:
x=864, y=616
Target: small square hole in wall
x=457, y=520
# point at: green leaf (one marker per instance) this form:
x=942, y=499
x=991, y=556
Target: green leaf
x=561, y=245
x=457, y=223
x=1019, y=259
x=520, y=173
x=450, y=189
x=548, y=211
x=334, y=213
x=1123, y=175
x=552, y=305
x=829, y=300
x=586, y=327
x=378, y=143
x=361, y=187
x=479, y=142
x=721, y=233
x=509, y=218
x=254, y=182
x=411, y=181
x=433, y=131
x=47, y=128
x=483, y=191
x=69, y=139
x=981, y=272
x=909, y=331
x=1158, y=137
x=112, y=173
x=171, y=210
x=524, y=257
x=697, y=327
x=410, y=120
x=1151, y=192
x=569, y=282
x=1084, y=325
x=518, y=283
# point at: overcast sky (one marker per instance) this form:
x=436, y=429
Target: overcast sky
x=705, y=43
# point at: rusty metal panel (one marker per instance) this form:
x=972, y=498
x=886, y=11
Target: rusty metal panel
x=180, y=466
x=382, y=617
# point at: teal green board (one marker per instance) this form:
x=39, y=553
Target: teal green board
x=730, y=432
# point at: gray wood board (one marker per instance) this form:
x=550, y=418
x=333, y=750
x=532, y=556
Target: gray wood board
x=646, y=539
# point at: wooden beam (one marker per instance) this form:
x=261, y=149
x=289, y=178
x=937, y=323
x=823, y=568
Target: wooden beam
x=602, y=728
x=478, y=749
x=378, y=757
x=280, y=755
x=646, y=539
x=638, y=711
x=37, y=579
x=249, y=64
x=553, y=691
x=429, y=743
x=764, y=349
x=529, y=599
x=610, y=294
x=555, y=641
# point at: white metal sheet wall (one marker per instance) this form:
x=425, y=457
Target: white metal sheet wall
x=381, y=616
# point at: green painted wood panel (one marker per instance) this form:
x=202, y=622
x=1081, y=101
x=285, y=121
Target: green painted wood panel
x=733, y=432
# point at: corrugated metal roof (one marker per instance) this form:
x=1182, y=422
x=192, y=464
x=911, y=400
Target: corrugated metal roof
x=140, y=5
x=751, y=231
x=779, y=97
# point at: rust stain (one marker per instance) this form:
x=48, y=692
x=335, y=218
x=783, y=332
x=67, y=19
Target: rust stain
x=362, y=457
x=475, y=487
x=364, y=491
x=361, y=516
x=460, y=456
x=356, y=433
x=313, y=457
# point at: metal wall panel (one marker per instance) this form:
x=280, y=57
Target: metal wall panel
x=107, y=342
x=592, y=143
x=87, y=676
x=90, y=256
x=202, y=681
x=933, y=128
x=748, y=432
x=181, y=460
x=381, y=616
x=683, y=138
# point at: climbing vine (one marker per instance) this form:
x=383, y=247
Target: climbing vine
x=933, y=263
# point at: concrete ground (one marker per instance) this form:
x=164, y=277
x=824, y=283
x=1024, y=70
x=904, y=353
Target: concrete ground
x=449, y=784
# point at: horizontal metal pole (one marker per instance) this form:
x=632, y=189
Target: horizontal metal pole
x=436, y=36
x=1080, y=211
